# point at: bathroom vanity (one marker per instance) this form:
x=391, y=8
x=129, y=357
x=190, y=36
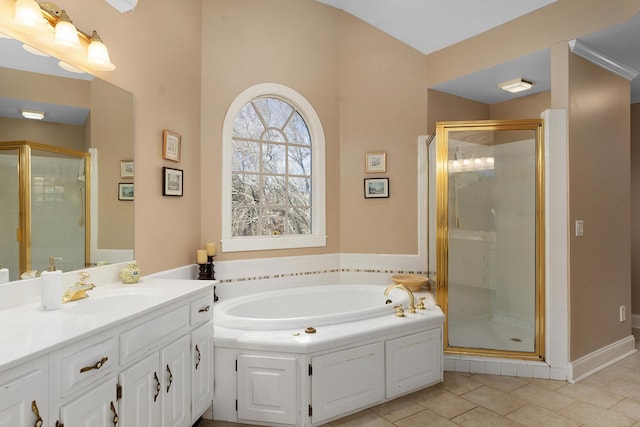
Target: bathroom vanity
x=129, y=355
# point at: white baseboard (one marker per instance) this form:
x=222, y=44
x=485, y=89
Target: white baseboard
x=635, y=321
x=599, y=359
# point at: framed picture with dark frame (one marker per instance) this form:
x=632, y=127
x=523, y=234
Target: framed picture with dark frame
x=172, y=180
x=125, y=191
x=171, y=145
x=376, y=188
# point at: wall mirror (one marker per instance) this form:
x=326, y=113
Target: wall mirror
x=82, y=114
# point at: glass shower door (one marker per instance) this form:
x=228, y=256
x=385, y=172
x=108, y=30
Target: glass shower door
x=9, y=212
x=491, y=237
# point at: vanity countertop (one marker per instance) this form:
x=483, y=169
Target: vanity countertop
x=27, y=331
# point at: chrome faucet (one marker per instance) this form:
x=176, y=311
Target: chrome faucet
x=412, y=307
x=79, y=289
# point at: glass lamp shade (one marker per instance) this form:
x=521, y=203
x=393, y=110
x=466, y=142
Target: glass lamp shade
x=66, y=34
x=98, y=55
x=28, y=13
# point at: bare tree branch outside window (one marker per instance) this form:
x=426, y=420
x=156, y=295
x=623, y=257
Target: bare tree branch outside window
x=271, y=178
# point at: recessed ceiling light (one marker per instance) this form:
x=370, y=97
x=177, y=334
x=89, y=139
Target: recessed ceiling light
x=516, y=85
x=34, y=115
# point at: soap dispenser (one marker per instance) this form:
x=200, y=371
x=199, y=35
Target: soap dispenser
x=51, y=283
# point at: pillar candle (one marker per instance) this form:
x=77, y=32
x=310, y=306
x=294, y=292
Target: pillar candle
x=211, y=249
x=201, y=256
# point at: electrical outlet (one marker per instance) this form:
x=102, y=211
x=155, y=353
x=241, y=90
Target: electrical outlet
x=623, y=313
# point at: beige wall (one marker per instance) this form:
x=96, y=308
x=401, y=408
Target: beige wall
x=299, y=50
x=445, y=107
x=599, y=189
x=383, y=107
x=635, y=207
x=526, y=107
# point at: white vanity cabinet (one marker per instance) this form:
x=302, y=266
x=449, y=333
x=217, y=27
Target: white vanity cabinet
x=24, y=395
x=150, y=367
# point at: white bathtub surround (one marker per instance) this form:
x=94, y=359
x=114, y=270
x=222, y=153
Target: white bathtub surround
x=292, y=375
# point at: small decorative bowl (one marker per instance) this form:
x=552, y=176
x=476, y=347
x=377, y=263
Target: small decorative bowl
x=414, y=282
x=130, y=274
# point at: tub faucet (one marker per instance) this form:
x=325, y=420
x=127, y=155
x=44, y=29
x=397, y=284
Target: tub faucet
x=79, y=289
x=412, y=307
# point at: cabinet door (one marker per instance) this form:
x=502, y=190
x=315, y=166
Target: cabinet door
x=175, y=364
x=413, y=362
x=267, y=389
x=202, y=370
x=23, y=395
x=95, y=408
x=347, y=380
x=141, y=393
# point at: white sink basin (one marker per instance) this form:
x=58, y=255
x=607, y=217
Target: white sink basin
x=112, y=300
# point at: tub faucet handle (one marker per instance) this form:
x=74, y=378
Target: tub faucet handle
x=420, y=305
x=399, y=310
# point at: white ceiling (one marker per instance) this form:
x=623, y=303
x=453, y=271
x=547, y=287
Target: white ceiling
x=426, y=25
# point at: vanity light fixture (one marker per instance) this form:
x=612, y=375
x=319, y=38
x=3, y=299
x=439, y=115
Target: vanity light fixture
x=516, y=85
x=29, y=15
x=33, y=115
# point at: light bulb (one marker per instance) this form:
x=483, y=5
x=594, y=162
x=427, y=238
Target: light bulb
x=28, y=13
x=66, y=33
x=98, y=55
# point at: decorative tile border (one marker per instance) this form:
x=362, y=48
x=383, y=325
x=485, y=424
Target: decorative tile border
x=309, y=273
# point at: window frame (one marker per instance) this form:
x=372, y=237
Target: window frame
x=318, y=237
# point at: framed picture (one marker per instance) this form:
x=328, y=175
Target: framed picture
x=376, y=188
x=171, y=145
x=125, y=191
x=375, y=162
x=126, y=168
x=172, y=182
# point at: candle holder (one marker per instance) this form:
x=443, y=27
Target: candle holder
x=211, y=273
x=203, y=273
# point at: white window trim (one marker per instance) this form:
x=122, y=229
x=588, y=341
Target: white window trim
x=318, y=237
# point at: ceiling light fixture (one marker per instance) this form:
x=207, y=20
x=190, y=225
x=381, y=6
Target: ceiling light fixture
x=33, y=115
x=516, y=85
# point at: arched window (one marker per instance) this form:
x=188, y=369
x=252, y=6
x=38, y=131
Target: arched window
x=273, y=172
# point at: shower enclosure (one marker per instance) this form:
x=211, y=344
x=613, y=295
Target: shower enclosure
x=486, y=205
x=44, y=209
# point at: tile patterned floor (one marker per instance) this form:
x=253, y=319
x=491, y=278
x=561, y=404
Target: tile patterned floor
x=608, y=398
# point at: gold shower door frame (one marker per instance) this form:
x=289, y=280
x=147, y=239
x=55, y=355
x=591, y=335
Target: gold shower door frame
x=23, y=234
x=442, y=229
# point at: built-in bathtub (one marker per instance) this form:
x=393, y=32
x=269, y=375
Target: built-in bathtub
x=360, y=353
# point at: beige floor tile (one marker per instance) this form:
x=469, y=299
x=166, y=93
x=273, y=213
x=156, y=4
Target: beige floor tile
x=542, y=396
x=591, y=394
x=481, y=417
x=623, y=387
x=590, y=415
x=531, y=415
x=459, y=384
x=494, y=400
x=629, y=407
x=548, y=384
x=605, y=376
x=352, y=416
x=446, y=404
x=501, y=382
x=397, y=409
x=425, y=418
x=368, y=420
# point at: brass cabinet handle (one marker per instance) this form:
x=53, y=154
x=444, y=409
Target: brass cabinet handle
x=170, y=378
x=203, y=309
x=155, y=376
x=115, y=414
x=98, y=365
x=36, y=412
x=198, y=357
